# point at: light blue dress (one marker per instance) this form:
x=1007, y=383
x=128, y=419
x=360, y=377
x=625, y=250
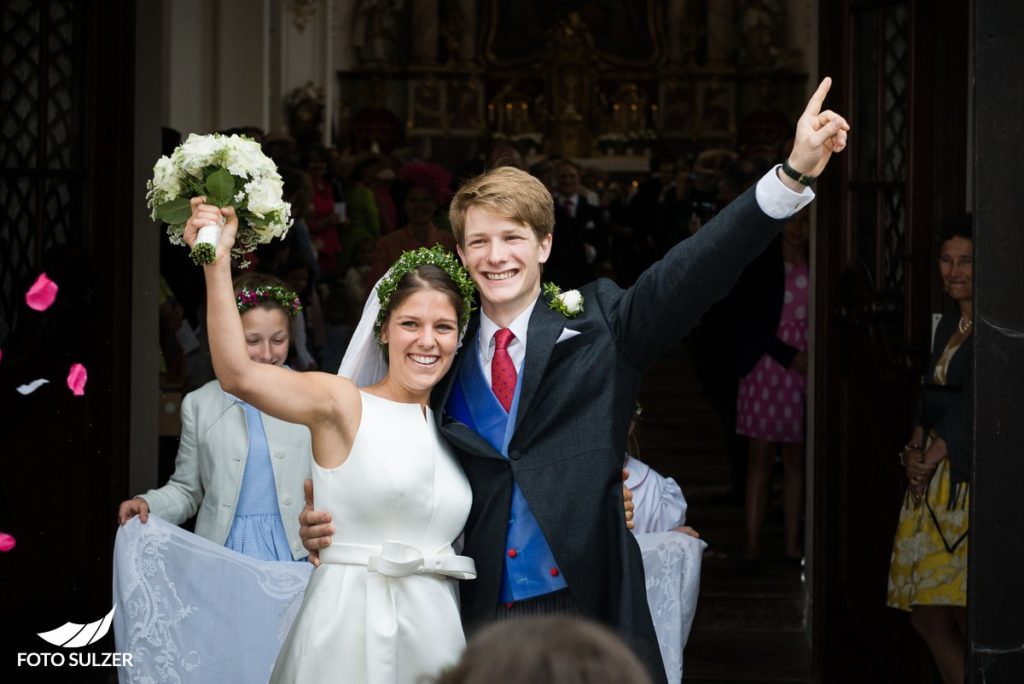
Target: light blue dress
x=257, y=530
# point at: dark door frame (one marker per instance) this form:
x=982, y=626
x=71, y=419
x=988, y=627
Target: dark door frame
x=869, y=356
x=996, y=563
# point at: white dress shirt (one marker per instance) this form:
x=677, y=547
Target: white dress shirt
x=777, y=200
x=516, y=348
x=569, y=203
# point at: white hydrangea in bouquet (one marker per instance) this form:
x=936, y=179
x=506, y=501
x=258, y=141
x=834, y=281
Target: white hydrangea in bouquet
x=229, y=170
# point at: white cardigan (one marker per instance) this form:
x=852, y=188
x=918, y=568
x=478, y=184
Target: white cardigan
x=211, y=461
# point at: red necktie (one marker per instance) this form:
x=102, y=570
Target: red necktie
x=503, y=371
x=569, y=206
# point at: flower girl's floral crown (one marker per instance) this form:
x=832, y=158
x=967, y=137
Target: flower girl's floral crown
x=275, y=294
x=410, y=261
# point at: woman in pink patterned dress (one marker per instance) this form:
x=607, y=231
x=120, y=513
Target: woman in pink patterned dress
x=772, y=365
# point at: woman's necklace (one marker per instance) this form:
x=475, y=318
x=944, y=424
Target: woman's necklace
x=964, y=325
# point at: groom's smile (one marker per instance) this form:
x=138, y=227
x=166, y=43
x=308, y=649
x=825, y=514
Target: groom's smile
x=504, y=275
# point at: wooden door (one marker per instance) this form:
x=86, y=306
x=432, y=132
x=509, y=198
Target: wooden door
x=66, y=80
x=900, y=69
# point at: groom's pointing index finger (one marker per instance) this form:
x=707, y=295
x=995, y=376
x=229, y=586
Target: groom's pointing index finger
x=814, y=105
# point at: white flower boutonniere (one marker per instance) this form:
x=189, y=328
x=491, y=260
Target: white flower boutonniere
x=569, y=304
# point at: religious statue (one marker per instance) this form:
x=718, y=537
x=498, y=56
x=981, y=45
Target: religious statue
x=761, y=21
x=375, y=31
x=305, y=107
x=453, y=33
x=425, y=107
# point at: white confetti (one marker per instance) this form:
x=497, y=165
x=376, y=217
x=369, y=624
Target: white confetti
x=32, y=386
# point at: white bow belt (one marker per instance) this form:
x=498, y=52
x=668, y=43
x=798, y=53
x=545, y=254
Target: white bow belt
x=398, y=559
x=392, y=559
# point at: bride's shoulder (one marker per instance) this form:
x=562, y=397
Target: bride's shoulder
x=340, y=392
x=343, y=408
x=343, y=391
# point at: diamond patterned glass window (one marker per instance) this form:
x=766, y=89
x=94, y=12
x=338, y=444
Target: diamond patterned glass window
x=40, y=141
x=881, y=104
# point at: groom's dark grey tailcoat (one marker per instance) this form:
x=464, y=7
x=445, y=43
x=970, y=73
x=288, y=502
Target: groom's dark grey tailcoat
x=567, y=450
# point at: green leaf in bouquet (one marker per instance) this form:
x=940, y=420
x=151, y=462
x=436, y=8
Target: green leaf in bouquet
x=220, y=187
x=247, y=217
x=174, y=212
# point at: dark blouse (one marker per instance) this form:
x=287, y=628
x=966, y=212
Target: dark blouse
x=948, y=409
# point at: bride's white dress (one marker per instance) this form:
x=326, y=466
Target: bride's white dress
x=383, y=605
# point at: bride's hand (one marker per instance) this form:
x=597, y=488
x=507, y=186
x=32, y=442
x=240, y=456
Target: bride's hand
x=209, y=215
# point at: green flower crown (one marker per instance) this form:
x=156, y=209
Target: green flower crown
x=409, y=261
x=284, y=298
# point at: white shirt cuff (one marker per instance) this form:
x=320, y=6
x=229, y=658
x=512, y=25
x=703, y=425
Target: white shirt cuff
x=777, y=200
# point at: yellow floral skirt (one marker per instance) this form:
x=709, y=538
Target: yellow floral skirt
x=929, y=552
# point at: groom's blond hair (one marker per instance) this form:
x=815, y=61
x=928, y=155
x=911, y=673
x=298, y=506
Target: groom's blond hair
x=508, y=193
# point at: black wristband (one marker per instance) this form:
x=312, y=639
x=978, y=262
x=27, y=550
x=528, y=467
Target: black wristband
x=801, y=178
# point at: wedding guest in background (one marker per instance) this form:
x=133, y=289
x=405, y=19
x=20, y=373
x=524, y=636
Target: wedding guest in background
x=298, y=191
x=323, y=220
x=281, y=147
x=422, y=200
x=382, y=186
x=350, y=297
x=337, y=170
x=308, y=328
x=436, y=180
x=771, y=313
x=582, y=233
x=545, y=170
x=928, y=570
x=232, y=457
x=361, y=202
x=504, y=153
x=546, y=650
x=645, y=210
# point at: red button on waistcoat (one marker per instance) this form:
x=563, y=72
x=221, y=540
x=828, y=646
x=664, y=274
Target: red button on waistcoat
x=554, y=572
x=512, y=553
x=508, y=605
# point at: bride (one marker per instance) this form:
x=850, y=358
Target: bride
x=383, y=604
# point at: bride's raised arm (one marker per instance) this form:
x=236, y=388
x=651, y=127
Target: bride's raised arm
x=323, y=402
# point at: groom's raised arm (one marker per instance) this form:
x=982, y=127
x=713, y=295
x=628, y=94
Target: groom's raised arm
x=668, y=298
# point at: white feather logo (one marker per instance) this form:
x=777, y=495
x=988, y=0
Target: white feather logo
x=73, y=635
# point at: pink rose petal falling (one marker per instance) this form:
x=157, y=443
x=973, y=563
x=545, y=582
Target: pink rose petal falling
x=42, y=293
x=77, y=377
x=6, y=542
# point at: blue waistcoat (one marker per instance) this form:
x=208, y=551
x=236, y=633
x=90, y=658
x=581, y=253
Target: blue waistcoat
x=529, y=569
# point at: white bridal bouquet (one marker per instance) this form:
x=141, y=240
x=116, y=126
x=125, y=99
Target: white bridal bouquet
x=229, y=170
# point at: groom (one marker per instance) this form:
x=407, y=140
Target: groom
x=538, y=400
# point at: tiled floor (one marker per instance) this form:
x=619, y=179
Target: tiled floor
x=750, y=626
